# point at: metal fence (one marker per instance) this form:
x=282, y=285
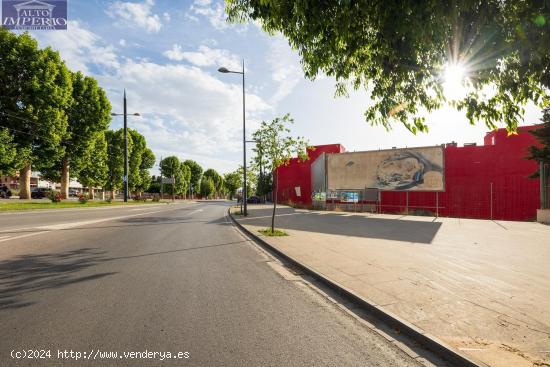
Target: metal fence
x=509, y=198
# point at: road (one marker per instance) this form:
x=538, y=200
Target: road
x=167, y=278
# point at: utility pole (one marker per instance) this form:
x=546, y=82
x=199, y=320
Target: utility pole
x=125, y=180
x=244, y=150
x=161, y=183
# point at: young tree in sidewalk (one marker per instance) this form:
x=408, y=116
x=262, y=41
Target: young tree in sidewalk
x=279, y=147
x=35, y=92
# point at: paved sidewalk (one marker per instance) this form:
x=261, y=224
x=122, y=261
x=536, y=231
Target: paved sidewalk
x=481, y=286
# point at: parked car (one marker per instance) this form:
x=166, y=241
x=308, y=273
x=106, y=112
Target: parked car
x=40, y=192
x=253, y=200
x=73, y=192
x=5, y=193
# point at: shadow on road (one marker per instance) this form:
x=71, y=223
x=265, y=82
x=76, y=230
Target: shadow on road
x=346, y=224
x=31, y=273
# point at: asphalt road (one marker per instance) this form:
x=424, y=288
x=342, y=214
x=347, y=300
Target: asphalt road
x=157, y=279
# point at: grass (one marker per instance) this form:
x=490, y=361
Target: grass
x=275, y=233
x=15, y=205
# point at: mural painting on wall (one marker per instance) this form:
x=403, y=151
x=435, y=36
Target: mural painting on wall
x=419, y=169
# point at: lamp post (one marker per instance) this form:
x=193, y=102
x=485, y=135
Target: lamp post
x=225, y=70
x=125, y=178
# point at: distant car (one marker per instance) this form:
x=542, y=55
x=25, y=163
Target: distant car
x=40, y=192
x=253, y=200
x=73, y=192
x=5, y=193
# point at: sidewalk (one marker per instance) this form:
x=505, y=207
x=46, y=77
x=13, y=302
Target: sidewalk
x=483, y=287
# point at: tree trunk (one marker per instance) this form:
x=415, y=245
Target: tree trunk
x=112, y=194
x=65, y=181
x=102, y=193
x=91, y=192
x=25, y=182
x=274, y=207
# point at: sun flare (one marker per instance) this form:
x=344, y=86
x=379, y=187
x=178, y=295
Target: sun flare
x=453, y=81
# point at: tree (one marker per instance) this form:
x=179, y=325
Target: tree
x=172, y=167
x=398, y=51
x=232, y=182
x=196, y=174
x=207, y=187
x=95, y=171
x=258, y=165
x=35, y=92
x=147, y=162
x=279, y=147
x=135, y=157
x=88, y=114
x=8, y=153
x=115, y=159
x=541, y=154
x=216, y=179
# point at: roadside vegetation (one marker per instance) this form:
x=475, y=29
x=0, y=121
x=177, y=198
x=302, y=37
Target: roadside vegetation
x=16, y=205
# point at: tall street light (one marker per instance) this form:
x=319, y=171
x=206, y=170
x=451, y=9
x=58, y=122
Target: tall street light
x=225, y=70
x=125, y=114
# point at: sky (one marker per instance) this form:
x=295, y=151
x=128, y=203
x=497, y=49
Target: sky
x=166, y=53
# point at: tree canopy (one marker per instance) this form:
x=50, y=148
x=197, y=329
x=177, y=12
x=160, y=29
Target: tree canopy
x=216, y=179
x=196, y=174
x=232, y=182
x=398, y=51
x=35, y=93
x=541, y=153
x=8, y=152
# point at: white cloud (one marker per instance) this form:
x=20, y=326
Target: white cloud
x=186, y=110
x=122, y=42
x=214, y=13
x=80, y=48
x=285, y=68
x=205, y=56
x=136, y=14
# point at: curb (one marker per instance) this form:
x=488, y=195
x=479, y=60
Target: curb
x=429, y=342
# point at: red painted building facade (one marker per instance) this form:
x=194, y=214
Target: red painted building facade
x=484, y=182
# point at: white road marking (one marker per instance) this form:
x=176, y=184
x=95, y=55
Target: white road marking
x=195, y=211
x=3, y=237
x=22, y=236
x=60, y=226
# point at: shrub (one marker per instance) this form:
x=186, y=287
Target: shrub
x=54, y=196
x=82, y=199
x=109, y=200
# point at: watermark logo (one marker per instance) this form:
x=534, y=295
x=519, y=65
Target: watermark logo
x=34, y=14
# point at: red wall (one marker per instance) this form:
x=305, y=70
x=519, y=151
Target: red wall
x=298, y=174
x=469, y=174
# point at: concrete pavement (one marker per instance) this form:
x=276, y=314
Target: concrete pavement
x=480, y=286
x=176, y=278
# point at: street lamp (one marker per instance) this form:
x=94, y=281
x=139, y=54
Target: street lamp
x=125, y=178
x=225, y=71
